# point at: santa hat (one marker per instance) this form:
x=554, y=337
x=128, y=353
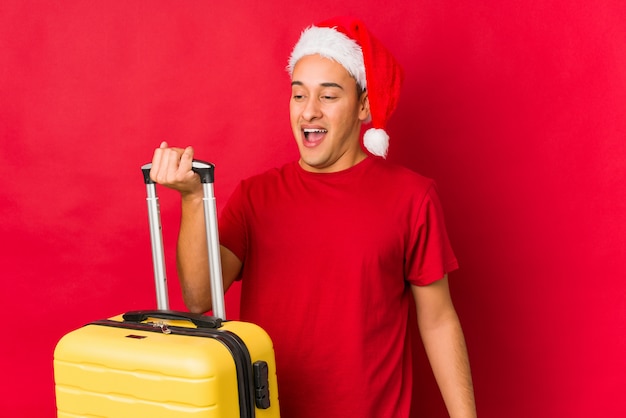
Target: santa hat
x=347, y=41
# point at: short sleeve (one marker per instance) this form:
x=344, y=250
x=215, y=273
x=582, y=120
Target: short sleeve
x=232, y=225
x=429, y=252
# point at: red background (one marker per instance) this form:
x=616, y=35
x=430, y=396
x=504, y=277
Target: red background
x=516, y=108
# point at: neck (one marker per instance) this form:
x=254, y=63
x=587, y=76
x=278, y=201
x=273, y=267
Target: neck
x=344, y=163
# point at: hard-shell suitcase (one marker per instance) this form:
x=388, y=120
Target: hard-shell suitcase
x=161, y=363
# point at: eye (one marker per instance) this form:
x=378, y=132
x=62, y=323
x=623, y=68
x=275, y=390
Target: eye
x=328, y=98
x=297, y=97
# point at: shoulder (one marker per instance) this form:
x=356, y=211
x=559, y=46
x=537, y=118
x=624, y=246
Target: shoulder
x=258, y=190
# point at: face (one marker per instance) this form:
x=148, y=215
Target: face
x=326, y=113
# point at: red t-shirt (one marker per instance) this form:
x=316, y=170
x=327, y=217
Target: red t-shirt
x=327, y=263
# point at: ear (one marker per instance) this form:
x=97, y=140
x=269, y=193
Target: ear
x=364, y=108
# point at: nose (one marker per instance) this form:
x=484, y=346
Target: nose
x=312, y=109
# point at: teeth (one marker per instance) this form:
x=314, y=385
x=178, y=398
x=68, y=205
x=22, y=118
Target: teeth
x=307, y=130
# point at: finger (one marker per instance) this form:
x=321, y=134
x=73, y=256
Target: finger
x=166, y=161
x=171, y=172
x=186, y=161
x=157, y=157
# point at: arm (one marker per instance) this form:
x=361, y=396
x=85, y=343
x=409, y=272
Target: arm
x=171, y=167
x=445, y=347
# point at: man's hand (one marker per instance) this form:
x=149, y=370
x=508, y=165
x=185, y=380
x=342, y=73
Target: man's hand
x=171, y=167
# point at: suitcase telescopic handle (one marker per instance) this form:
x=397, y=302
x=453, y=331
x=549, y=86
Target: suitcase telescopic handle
x=199, y=320
x=206, y=172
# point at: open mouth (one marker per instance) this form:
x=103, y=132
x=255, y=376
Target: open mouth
x=314, y=134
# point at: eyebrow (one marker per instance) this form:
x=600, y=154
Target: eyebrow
x=327, y=84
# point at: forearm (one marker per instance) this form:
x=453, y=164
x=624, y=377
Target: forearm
x=447, y=353
x=191, y=256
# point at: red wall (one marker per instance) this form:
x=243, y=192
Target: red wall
x=516, y=108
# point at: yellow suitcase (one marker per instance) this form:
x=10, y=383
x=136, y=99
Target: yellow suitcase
x=162, y=363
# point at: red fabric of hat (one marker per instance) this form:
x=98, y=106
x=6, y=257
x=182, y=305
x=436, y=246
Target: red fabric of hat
x=384, y=79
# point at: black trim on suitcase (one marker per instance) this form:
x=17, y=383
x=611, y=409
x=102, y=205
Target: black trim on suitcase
x=199, y=320
x=234, y=344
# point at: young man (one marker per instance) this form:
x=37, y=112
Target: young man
x=332, y=248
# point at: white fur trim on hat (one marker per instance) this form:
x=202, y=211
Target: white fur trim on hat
x=376, y=141
x=331, y=44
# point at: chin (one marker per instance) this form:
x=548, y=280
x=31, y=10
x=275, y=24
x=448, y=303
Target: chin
x=311, y=161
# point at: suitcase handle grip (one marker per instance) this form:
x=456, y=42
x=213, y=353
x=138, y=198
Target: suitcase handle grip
x=205, y=170
x=199, y=320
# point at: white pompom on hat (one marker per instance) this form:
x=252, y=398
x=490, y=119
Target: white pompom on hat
x=347, y=41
